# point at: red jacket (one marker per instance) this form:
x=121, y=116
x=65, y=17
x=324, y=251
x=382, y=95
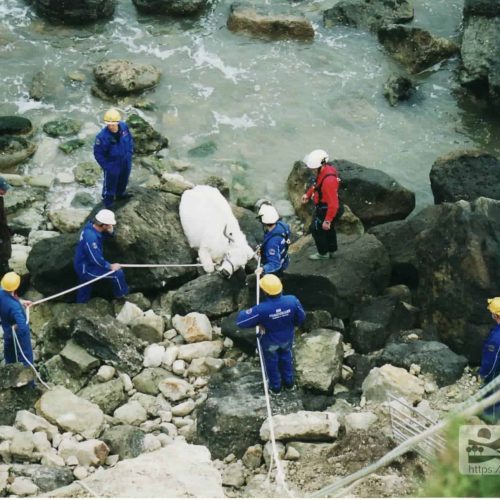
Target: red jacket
x=328, y=183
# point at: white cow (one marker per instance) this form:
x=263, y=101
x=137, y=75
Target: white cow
x=212, y=229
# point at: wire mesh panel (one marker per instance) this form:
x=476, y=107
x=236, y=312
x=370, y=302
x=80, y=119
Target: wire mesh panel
x=407, y=422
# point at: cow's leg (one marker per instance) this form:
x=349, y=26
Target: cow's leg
x=206, y=260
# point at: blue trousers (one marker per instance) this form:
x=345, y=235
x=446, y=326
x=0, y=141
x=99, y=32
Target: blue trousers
x=114, y=184
x=11, y=350
x=278, y=360
x=120, y=287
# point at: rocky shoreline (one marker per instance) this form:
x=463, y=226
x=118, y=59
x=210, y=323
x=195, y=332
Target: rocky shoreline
x=162, y=395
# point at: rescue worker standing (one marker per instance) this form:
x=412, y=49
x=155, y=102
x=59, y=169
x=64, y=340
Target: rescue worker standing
x=14, y=323
x=490, y=361
x=276, y=317
x=5, y=233
x=274, y=248
x=324, y=194
x=89, y=262
x=113, y=149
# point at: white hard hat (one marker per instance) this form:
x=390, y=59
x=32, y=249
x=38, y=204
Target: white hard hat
x=268, y=214
x=105, y=216
x=316, y=158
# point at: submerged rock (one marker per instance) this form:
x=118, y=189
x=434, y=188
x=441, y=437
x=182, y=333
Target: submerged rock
x=62, y=128
x=174, y=7
x=146, y=139
x=15, y=125
x=398, y=88
x=14, y=150
x=75, y=11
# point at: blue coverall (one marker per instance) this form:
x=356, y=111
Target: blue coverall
x=89, y=263
x=274, y=249
x=12, y=315
x=278, y=315
x=114, y=152
x=490, y=367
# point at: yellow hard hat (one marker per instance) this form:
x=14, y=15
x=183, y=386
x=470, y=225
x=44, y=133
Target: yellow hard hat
x=112, y=116
x=271, y=284
x=494, y=305
x=10, y=281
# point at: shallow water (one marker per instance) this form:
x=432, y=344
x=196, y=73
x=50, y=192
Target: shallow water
x=265, y=104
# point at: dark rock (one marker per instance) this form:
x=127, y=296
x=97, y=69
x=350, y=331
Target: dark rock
x=244, y=338
x=433, y=357
x=111, y=341
x=316, y=402
x=46, y=478
x=146, y=139
x=203, y=150
x=71, y=146
x=15, y=125
x=359, y=267
x=220, y=184
x=55, y=372
x=13, y=400
x=108, y=395
x=210, y=294
x=372, y=195
x=82, y=200
x=268, y=22
x=75, y=11
x=14, y=150
x=487, y=8
x=172, y=7
x=361, y=365
x=465, y=175
x=87, y=173
x=230, y=419
x=15, y=375
x=250, y=225
x=370, y=14
x=62, y=128
x=415, y=48
x=398, y=88
x=118, y=77
x=126, y=441
x=317, y=319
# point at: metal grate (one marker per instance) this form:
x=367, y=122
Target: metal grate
x=407, y=422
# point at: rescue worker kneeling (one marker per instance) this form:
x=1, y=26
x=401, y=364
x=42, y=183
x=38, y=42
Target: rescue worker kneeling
x=89, y=262
x=277, y=316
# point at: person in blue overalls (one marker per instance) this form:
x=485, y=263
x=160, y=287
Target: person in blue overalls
x=89, y=262
x=274, y=248
x=14, y=322
x=490, y=361
x=277, y=316
x=113, y=149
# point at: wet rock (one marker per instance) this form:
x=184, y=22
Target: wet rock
x=107, y=395
x=15, y=125
x=210, y=294
x=372, y=195
x=465, y=175
x=127, y=441
x=80, y=12
x=87, y=173
x=83, y=200
x=360, y=267
x=62, y=128
x=71, y=146
x=203, y=150
x=480, y=72
x=13, y=400
x=117, y=77
x=318, y=359
x=15, y=375
x=415, y=48
x=433, y=357
x=14, y=150
x=268, y=22
x=317, y=319
x=146, y=139
x=398, y=88
x=176, y=7
x=370, y=14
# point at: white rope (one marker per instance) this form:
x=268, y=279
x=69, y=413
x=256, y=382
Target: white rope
x=410, y=443
x=280, y=475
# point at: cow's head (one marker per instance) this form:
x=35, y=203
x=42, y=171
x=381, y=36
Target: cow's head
x=238, y=253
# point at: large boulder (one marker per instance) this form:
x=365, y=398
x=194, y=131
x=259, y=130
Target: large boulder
x=146, y=139
x=144, y=225
x=433, y=357
x=372, y=195
x=370, y=14
x=480, y=71
x=465, y=175
x=118, y=77
x=15, y=125
x=75, y=11
x=268, y=22
x=359, y=267
x=415, y=48
x=172, y=7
